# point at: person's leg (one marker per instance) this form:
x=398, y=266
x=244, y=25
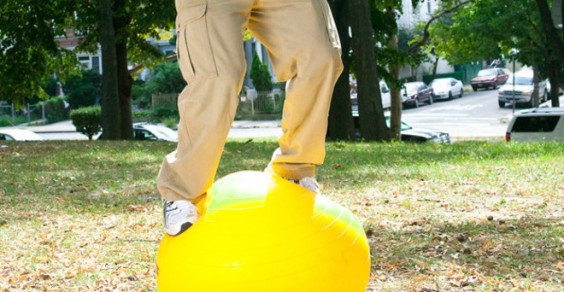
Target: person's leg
x=304, y=47
x=211, y=58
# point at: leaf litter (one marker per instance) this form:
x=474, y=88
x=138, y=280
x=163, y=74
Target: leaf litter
x=451, y=225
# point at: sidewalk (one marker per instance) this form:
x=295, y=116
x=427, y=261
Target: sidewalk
x=60, y=127
x=68, y=127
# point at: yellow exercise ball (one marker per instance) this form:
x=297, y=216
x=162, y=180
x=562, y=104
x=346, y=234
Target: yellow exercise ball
x=259, y=232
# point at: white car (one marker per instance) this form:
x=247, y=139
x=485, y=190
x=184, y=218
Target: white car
x=521, y=92
x=539, y=124
x=154, y=132
x=384, y=92
x=18, y=135
x=447, y=88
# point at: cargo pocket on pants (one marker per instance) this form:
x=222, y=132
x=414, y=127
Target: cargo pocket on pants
x=332, y=31
x=193, y=46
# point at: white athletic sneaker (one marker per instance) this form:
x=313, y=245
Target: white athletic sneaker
x=179, y=216
x=309, y=183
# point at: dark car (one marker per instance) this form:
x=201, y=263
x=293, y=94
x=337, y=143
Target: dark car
x=413, y=93
x=489, y=78
x=421, y=135
x=411, y=134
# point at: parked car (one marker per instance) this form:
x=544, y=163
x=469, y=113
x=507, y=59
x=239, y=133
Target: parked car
x=411, y=134
x=524, y=87
x=539, y=124
x=489, y=78
x=154, y=132
x=18, y=135
x=447, y=88
x=384, y=92
x=413, y=93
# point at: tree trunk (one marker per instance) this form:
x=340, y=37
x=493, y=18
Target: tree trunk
x=111, y=122
x=125, y=82
x=535, y=98
x=371, y=115
x=435, y=66
x=554, y=78
x=395, y=92
x=341, y=123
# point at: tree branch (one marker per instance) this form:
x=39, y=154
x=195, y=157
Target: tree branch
x=413, y=48
x=551, y=33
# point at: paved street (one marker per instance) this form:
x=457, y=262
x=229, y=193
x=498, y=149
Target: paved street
x=476, y=114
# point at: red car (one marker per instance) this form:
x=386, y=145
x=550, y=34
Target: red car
x=413, y=93
x=489, y=78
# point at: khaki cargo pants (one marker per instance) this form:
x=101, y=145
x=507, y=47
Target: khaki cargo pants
x=303, y=45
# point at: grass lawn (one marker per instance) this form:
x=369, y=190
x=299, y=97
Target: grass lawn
x=78, y=216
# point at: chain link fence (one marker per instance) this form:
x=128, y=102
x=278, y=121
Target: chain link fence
x=10, y=116
x=253, y=105
x=262, y=105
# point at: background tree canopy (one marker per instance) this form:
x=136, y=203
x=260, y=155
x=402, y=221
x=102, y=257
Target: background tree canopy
x=29, y=52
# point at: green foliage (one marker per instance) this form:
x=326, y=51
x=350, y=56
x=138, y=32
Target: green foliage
x=5, y=121
x=166, y=78
x=141, y=115
x=29, y=51
x=83, y=90
x=488, y=29
x=55, y=110
x=171, y=122
x=49, y=85
x=140, y=94
x=262, y=80
x=266, y=103
x=164, y=112
x=87, y=120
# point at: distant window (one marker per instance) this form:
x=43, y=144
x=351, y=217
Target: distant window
x=429, y=6
x=85, y=61
x=96, y=64
x=536, y=124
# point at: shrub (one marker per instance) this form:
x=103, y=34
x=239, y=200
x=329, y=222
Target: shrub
x=141, y=116
x=264, y=104
x=83, y=90
x=140, y=94
x=166, y=78
x=55, y=110
x=262, y=80
x=171, y=122
x=50, y=85
x=87, y=120
x=164, y=112
x=5, y=121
